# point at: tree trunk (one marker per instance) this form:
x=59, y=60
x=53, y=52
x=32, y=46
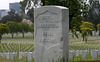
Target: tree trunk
x=0, y=37
x=23, y=35
x=12, y=36
x=0, y=40
x=99, y=33
x=83, y=38
x=94, y=30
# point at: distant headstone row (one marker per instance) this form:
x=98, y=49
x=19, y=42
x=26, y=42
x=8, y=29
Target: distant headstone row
x=28, y=55
x=15, y=47
x=84, y=53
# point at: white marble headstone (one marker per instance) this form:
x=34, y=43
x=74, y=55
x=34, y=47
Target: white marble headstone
x=71, y=54
x=13, y=55
x=20, y=55
x=84, y=54
x=51, y=24
x=29, y=56
x=7, y=56
x=25, y=54
x=98, y=51
x=94, y=54
x=77, y=52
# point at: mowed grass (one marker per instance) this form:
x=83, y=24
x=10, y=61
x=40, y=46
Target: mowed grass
x=79, y=39
x=16, y=60
x=18, y=38
x=15, y=48
x=30, y=38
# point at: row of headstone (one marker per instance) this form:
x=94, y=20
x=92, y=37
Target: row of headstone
x=2, y=48
x=71, y=47
x=11, y=47
x=29, y=55
x=84, y=53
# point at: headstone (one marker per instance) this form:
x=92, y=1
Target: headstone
x=77, y=53
x=13, y=55
x=3, y=55
x=94, y=54
x=29, y=56
x=33, y=54
x=20, y=55
x=84, y=54
x=51, y=24
x=98, y=51
x=25, y=54
x=81, y=51
x=71, y=54
x=7, y=55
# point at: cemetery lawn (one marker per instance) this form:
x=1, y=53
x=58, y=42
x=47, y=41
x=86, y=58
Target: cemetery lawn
x=73, y=43
x=18, y=38
x=16, y=60
x=84, y=46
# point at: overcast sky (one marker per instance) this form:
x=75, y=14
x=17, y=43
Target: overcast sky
x=4, y=4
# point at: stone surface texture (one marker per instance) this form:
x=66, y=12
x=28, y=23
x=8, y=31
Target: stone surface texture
x=51, y=24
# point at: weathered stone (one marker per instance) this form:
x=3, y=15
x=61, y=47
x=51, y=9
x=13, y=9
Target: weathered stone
x=77, y=52
x=13, y=55
x=7, y=56
x=51, y=24
x=94, y=54
x=29, y=56
x=71, y=54
x=84, y=54
x=20, y=55
x=25, y=54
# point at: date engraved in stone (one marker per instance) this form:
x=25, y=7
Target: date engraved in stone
x=48, y=40
x=47, y=17
x=46, y=33
x=47, y=25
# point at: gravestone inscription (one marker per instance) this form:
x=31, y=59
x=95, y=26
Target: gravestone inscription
x=51, y=24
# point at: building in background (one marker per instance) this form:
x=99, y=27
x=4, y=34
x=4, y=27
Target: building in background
x=3, y=13
x=15, y=6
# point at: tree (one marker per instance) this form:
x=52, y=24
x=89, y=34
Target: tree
x=13, y=26
x=77, y=8
x=94, y=13
x=98, y=27
x=24, y=28
x=3, y=30
x=32, y=29
x=86, y=30
x=12, y=16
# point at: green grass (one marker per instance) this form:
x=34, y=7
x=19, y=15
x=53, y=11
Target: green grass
x=16, y=50
x=30, y=40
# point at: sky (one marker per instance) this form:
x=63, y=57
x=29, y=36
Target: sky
x=4, y=4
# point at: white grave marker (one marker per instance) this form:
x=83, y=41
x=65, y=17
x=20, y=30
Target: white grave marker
x=51, y=24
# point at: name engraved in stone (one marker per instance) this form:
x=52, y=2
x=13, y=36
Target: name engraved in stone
x=46, y=33
x=47, y=25
x=48, y=40
x=47, y=17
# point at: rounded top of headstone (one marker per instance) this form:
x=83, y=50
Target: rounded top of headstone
x=51, y=6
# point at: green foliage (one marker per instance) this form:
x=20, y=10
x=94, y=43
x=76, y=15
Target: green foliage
x=98, y=26
x=94, y=13
x=78, y=10
x=12, y=16
x=86, y=29
x=32, y=28
x=24, y=28
x=13, y=26
x=4, y=29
